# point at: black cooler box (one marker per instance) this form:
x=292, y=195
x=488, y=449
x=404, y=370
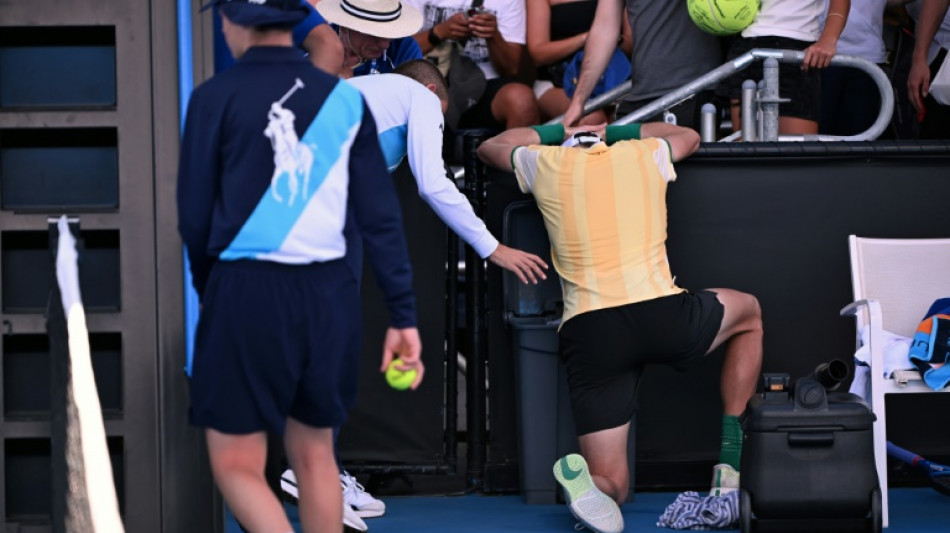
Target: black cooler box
x=808, y=461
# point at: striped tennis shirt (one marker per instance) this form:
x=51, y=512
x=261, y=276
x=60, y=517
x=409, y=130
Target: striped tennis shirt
x=605, y=213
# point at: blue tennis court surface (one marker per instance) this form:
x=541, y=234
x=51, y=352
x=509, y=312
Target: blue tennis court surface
x=912, y=511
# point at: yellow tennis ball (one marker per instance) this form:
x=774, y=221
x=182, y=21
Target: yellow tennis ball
x=722, y=17
x=398, y=379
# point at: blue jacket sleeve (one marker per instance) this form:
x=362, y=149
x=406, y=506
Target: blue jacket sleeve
x=198, y=180
x=379, y=219
x=303, y=29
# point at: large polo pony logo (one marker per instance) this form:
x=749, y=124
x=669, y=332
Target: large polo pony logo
x=292, y=158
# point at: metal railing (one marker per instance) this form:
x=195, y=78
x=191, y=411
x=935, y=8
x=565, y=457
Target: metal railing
x=769, y=104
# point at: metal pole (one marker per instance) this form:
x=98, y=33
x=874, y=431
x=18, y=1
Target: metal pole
x=749, y=128
x=451, y=349
x=707, y=126
x=770, y=100
x=476, y=392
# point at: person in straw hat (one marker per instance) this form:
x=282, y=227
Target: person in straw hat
x=376, y=34
x=265, y=184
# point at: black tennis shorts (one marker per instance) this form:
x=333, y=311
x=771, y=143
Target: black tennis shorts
x=604, y=351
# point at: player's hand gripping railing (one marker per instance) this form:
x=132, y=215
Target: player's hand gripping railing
x=768, y=98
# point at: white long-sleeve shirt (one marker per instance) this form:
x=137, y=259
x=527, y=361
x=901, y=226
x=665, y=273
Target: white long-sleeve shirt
x=409, y=120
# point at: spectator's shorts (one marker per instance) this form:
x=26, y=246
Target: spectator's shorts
x=604, y=351
x=803, y=88
x=276, y=341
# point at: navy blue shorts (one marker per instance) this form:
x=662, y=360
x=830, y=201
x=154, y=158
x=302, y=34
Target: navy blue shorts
x=604, y=351
x=276, y=341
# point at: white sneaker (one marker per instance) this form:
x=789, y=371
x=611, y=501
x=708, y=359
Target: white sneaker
x=355, y=495
x=352, y=520
x=594, y=509
x=725, y=480
x=288, y=484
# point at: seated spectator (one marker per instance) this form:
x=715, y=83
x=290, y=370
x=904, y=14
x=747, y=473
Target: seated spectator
x=493, y=36
x=372, y=45
x=930, y=52
x=557, y=30
x=790, y=25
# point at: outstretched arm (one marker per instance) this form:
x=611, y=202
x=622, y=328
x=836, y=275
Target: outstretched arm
x=425, y=159
x=600, y=46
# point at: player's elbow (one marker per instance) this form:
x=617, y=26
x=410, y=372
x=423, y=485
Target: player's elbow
x=692, y=140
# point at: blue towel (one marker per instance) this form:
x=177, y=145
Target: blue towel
x=692, y=511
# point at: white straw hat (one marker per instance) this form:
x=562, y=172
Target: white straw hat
x=389, y=19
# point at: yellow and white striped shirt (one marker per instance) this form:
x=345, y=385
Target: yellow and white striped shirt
x=605, y=213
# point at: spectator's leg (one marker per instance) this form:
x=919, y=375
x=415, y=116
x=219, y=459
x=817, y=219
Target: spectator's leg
x=237, y=463
x=514, y=106
x=606, y=454
x=310, y=451
x=796, y=126
x=741, y=331
x=735, y=114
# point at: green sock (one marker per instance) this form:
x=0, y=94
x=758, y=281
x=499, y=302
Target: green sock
x=731, y=447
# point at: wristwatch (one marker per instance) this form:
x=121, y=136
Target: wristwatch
x=434, y=39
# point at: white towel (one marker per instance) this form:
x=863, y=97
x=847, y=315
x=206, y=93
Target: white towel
x=896, y=350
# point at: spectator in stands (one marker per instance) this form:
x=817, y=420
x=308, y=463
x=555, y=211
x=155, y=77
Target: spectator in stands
x=493, y=36
x=930, y=52
x=372, y=44
x=669, y=50
x=790, y=25
x=850, y=100
x=557, y=30
x=605, y=211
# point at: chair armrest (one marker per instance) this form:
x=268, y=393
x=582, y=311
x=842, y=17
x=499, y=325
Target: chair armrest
x=874, y=307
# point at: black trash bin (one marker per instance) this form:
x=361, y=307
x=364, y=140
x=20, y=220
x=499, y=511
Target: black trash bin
x=546, y=425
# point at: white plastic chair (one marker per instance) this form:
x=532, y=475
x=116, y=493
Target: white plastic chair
x=895, y=281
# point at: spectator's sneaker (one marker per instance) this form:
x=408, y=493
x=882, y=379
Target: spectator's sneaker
x=355, y=495
x=352, y=520
x=725, y=480
x=594, y=509
x=288, y=485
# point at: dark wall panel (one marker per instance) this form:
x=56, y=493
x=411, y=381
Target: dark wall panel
x=386, y=425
